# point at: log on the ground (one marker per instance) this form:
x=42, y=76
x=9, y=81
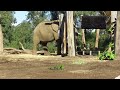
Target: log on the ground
x=17, y=51
x=12, y=51
x=25, y=51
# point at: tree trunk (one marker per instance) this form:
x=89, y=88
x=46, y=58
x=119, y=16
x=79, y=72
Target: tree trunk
x=97, y=39
x=64, y=38
x=70, y=33
x=117, y=36
x=113, y=16
x=60, y=32
x=83, y=39
x=1, y=40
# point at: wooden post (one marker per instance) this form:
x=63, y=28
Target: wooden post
x=90, y=53
x=60, y=35
x=98, y=52
x=70, y=33
x=97, y=38
x=117, y=36
x=65, y=37
x=1, y=40
x=83, y=52
x=83, y=39
x=113, y=15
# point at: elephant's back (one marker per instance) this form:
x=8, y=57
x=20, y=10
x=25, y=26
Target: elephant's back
x=44, y=32
x=43, y=28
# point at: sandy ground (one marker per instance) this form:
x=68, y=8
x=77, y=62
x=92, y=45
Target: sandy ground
x=25, y=66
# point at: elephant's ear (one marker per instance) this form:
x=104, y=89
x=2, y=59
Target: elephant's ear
x=55, y=27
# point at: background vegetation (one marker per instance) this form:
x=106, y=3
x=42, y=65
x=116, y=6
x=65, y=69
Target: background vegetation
x=23, y=32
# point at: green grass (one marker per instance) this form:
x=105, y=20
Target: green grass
x=57, y=67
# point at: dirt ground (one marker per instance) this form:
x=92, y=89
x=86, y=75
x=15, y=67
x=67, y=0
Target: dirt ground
x=25, y=66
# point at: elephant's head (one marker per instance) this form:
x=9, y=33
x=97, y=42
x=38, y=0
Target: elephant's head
x=54, y=25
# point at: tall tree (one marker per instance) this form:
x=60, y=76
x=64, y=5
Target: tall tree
x=22, y=33
x=117, y=36
x=7, y=21
x=35, y=17
x=1, y=40
x=70, y=33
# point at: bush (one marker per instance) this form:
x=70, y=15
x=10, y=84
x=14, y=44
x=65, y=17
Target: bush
x=107, y=55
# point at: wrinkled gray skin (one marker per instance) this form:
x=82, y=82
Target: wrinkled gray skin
x=43, y=33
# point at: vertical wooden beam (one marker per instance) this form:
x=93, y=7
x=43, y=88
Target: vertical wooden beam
x=59, y=42
x=65, y=37
x=98, y=52
x=83, y=39
x=97, y=38
x=113, y=15
x=70, y=33
x=1, y=40
x=117, y=36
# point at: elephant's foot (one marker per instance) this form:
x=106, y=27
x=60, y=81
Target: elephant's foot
x=43, y=52
x=45, y=48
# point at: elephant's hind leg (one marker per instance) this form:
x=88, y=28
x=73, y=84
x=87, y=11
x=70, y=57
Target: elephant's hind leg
x=36, y=41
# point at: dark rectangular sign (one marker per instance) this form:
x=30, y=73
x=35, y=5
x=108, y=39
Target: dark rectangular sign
x=93, y=22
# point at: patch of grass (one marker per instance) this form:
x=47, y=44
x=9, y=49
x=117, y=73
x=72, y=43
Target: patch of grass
x=57, y=67
x=78, y=62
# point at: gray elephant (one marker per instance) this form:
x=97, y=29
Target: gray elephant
x=45, y=32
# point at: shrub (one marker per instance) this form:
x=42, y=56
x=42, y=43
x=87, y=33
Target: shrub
x=57, y=67
x=107, y=55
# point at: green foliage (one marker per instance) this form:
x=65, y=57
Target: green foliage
x=51, y=47
x=107, y=54
x=88, y=13
x=7, y=21
x=111, y=45
x=90, y=38
x=103, y=41
x=54, y=15
x=22, y=33
x=35, y=17
x=57, y=67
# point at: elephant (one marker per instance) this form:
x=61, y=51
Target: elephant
x=45, y=32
